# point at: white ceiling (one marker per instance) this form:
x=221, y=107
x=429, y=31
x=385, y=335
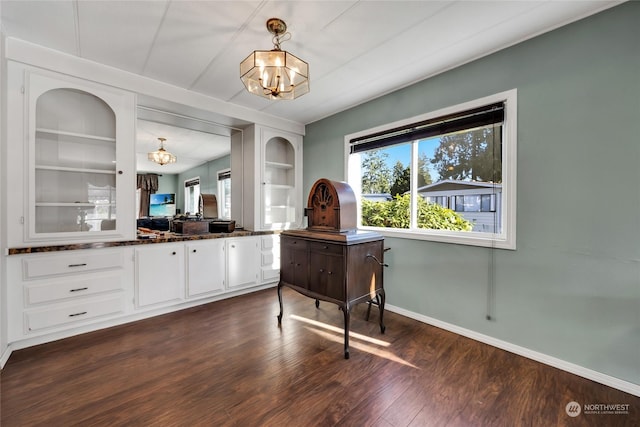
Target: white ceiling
x=356, y=50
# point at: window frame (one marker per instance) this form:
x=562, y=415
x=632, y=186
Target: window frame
x=225, y=174
x=191, y=182
x=504, y=240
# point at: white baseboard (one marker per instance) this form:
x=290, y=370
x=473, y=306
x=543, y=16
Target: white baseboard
x=5, y=356
x=589, y=374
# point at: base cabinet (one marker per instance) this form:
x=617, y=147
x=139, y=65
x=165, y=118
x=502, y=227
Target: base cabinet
x=47, y=293
x=242, y=262
x=51, y=295
x=159, y=274
x=205, y=268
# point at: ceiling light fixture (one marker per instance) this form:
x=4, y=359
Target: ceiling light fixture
x=162, y=156
x=275, y=74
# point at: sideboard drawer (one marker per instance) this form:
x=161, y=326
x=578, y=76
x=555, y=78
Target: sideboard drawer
x=73, y=288
x=326, y=248
x=42, y=319
x=73, y=262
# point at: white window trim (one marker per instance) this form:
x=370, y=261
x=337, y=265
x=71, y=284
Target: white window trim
x=504, y=240
x=184, y=187
x=221, y=193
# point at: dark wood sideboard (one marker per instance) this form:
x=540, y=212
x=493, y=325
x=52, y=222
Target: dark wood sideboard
x=327, y=262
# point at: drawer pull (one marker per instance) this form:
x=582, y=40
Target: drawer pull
x=325, y=247
x=78, y=314
x=322, y=270
x=78, y=265
x=78, y=289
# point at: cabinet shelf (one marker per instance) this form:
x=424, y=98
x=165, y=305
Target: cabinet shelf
x=279, y=186
x=69, y=169
x=65, y=205
x=278, y=165
x=75, y=134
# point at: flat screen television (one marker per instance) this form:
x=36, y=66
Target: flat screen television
x=162, y=204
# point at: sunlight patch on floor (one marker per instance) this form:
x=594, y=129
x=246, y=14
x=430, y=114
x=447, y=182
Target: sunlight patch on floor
x=340, y=330
x=356, y=341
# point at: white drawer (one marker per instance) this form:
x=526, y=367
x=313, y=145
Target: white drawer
x=72, y=262
x=267, y=258
x=270, y=274
x=269, y=242
x=73, y=288
x=42, y=319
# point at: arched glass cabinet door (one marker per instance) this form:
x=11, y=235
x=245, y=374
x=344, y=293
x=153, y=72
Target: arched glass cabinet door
x=74, y=175
x=280, y=184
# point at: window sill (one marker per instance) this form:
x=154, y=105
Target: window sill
x=486, y=240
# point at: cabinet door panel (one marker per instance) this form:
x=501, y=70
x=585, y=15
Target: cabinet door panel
x=159, y=274
x=326, y=275
x=243, y=262
x=205, y=268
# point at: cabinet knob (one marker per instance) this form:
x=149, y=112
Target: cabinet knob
x=173, y=253
x=194, y=251
x=322, y=270
x=330, y=272
x=120, y=172
x=325, y=247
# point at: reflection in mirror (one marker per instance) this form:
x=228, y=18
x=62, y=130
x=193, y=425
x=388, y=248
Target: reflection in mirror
x=202, y=149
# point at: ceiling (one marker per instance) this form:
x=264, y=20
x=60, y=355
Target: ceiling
x=356, y=50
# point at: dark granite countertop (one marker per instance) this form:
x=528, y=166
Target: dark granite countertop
x=164, y=237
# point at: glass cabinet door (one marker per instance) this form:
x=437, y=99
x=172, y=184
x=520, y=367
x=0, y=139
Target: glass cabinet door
x=73, y=158
x=281, y=206
x=75, y=166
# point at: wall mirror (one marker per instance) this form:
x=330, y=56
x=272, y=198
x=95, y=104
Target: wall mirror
x=200, y=140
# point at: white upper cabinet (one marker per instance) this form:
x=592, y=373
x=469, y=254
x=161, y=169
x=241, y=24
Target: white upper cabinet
x=271, y=177
x=79, y=172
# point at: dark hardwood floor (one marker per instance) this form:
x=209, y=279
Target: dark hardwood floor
x=229, y=364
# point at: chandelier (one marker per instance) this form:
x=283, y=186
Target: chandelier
x=162, y=156
x=275, y=74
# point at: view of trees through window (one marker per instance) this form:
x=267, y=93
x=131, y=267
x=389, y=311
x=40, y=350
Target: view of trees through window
x=449, y=169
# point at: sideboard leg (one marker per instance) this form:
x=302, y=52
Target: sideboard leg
x=381, y=307
x=347, y=318
x=317, y=303
x=280, y=302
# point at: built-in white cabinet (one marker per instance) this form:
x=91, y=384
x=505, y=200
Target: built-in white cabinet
x=159, y=274
x=51, y=292
x=267, y=177
x=206, y=268
x=76, y=162
x=269, y=258
x=242, y=262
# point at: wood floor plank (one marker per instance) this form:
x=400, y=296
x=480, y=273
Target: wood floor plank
x=228, y=363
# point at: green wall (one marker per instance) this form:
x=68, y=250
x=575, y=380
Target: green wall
x=571, y=290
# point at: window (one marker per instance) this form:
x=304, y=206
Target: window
x=224, y=193
x=192, y=195
x=451, y=174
